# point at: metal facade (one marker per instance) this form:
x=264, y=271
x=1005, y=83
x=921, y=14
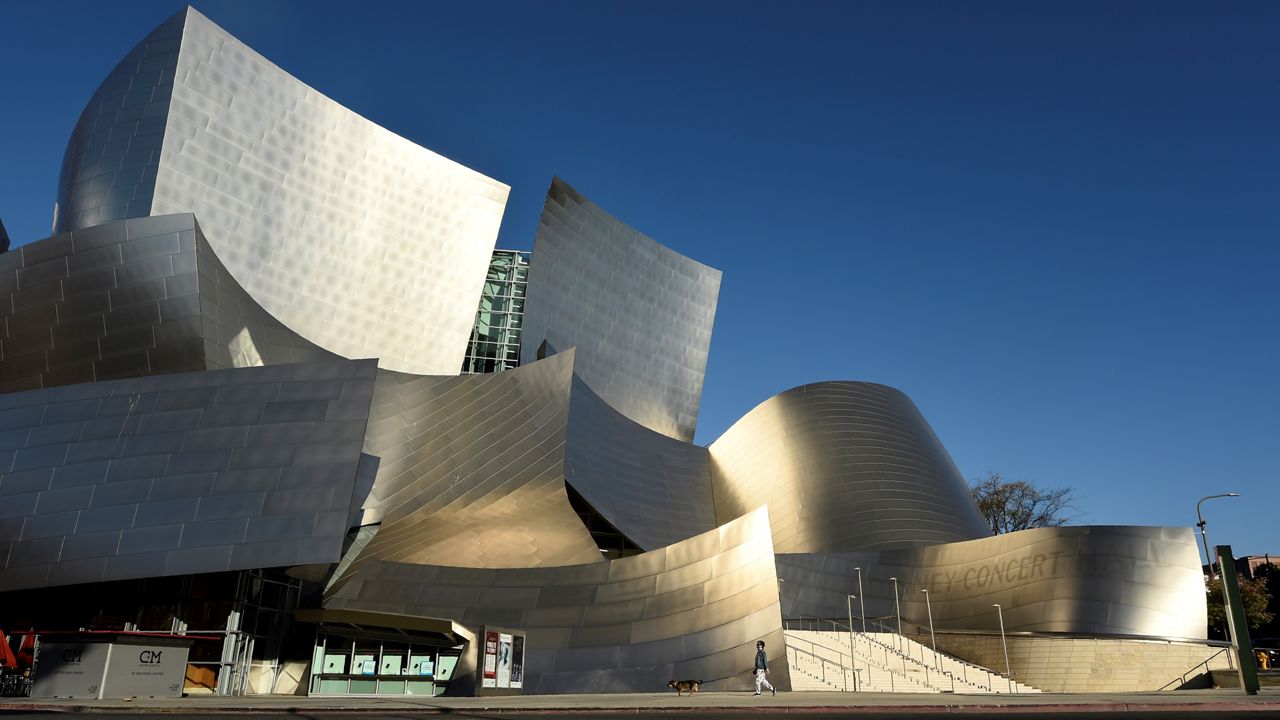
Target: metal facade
x=472, y=470
x=138, y=438
x=327, y=220
x=639, y=314
x=176, y=474
x=843, y=466
x=654, y=489
x=129, y=298
x=1095, y=579
x=691, y=610
x=110, y=165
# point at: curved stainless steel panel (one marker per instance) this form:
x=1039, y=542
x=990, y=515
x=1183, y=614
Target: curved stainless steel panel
x=329, y=221
x=640, y=314
x=844, y=466
x=145, y=296
x=177, y=474
x=1091, y=579
x=109, y=168
x=472, y=470
x=691, y=610
x=652, y=488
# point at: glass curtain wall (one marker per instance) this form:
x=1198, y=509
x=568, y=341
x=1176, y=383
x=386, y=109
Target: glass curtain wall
x=495, y=339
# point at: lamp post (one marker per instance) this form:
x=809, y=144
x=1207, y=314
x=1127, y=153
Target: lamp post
x=897, y=610
x=929, y=607
x=1008, y=672
x=862, y=604
x=852, y=666
x=1204, y=536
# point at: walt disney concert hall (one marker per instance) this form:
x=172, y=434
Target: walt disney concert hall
x=271, y=398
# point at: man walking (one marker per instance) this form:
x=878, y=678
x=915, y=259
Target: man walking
x=762, y=669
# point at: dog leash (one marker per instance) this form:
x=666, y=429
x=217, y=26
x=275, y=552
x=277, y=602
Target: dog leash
x=749, y=671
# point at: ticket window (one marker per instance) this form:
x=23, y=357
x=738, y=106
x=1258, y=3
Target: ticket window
x=392, y=668
x=365, y=667
x=342, y=666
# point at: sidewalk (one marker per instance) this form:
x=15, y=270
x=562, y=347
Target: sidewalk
x=1268, y=701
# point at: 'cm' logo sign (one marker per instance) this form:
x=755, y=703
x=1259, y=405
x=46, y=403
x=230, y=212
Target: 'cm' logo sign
x=149, y=657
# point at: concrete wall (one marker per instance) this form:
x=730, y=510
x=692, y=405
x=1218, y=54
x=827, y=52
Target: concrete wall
x=1083, y=664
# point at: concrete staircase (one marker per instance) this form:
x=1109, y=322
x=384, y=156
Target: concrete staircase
x=884, y=662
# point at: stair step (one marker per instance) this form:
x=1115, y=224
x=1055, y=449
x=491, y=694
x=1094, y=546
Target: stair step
x=886, y=662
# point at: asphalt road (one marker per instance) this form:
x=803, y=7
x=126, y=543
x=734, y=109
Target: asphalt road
x=755, y=714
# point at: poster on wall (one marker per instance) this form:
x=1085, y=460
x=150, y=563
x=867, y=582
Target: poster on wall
x=517, y=662
x=504, y=660
x=490, y=660
x=421, y=665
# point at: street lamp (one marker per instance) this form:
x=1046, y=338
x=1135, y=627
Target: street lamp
x=862, y=605
x=896, y=609
x=1204, y=536
x=1008, y=672
x=852, y=665
x=929, y=607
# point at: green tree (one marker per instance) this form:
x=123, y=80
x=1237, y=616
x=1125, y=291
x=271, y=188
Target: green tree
x=1011, y=505
x=1254, y=595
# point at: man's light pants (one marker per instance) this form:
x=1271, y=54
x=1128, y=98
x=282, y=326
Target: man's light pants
x=761, y=681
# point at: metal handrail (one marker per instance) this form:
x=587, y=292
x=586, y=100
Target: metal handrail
x=887, y=668
x=922, y=662
x=824, y=661
x=1204, y=662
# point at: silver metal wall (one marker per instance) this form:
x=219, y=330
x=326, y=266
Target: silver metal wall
x=1092, y=579
x=109, y=169
x=329, y=221
x=652, y=488
x=640, y=314
x=145, y=296
x=691, y=610
x=471, y=470
x=843, y=466
x=176, y=474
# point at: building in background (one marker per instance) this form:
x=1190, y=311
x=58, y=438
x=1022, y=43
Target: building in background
x=231, y=402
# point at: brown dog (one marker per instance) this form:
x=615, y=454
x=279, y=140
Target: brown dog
x=681, y=686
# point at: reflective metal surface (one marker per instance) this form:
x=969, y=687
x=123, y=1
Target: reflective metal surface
x=145, y=296
x=471, y=470
x=691, y=610
x=639, y=314
x=109, y=168
x=177, y=474
x=322, y=235
x=1092, y=579
x=654, y=489
x=327, y=220
x=843, y=466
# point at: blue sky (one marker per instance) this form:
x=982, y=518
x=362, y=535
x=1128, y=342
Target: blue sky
x=1053, y=225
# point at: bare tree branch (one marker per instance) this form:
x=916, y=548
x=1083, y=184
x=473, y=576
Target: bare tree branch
x=1012, y=505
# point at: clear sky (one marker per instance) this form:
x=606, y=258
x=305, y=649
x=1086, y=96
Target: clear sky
x=1056, y=226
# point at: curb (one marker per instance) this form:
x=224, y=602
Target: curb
x=1272, y=706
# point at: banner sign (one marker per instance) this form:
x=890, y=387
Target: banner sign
x=490, y=660
x=517, y=662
